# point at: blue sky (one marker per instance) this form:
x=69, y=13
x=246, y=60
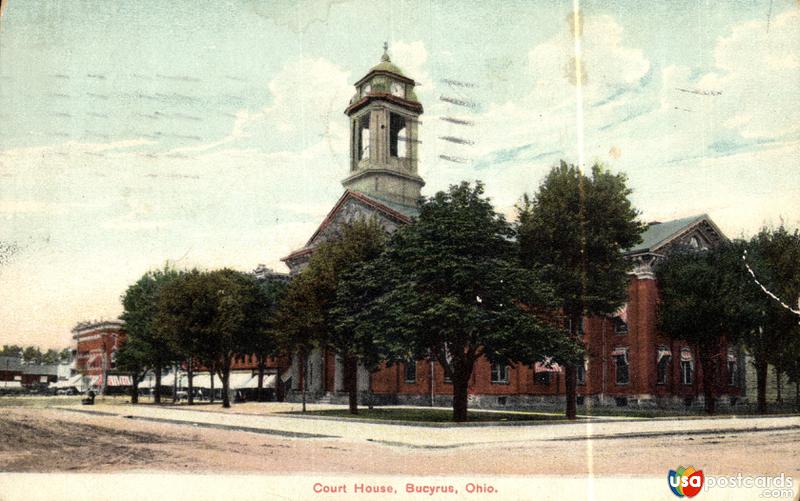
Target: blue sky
x=140, y=132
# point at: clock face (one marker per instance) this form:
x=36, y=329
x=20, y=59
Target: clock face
x=397, y=89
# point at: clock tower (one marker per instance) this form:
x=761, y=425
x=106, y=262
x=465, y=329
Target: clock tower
x=384, y=130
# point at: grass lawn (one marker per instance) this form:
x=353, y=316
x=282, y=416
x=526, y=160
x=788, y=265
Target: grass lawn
x=418, y=415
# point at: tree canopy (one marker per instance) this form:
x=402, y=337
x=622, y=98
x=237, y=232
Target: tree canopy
x=309, y=316
x=140, y=306
x=774, y=257
x=700, y=303
x=212, y=315
x=449, y=287
x=574, y=229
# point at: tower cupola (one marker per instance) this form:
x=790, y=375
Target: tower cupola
x=384, y=130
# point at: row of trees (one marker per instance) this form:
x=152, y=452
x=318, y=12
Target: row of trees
x=461, y=282
x=197, y=319
x=710, y=298
x=35, y=355
x=458, y=284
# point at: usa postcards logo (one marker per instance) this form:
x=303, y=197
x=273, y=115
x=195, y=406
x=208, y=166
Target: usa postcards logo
x=685, y=482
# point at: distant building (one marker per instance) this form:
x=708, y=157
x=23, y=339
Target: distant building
x=10, y=374
x=262, y=272
x=95, y=345
x=14, y=373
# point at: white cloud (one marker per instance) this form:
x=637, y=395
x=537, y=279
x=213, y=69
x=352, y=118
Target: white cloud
x=412, y=58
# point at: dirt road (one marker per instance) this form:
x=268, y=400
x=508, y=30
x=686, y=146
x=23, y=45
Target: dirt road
x=54, y=440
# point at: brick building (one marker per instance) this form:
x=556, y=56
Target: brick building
x=628, y=361
x=95, y=348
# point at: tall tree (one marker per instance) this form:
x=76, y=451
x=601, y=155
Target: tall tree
x=449, y=287
x=265, y=343
x=575, y=229
x=306, y=317
x=354, y=244
x=698, y=306
x=212, y=314
x=774, y=257
x=300, y=325
x=140, y=305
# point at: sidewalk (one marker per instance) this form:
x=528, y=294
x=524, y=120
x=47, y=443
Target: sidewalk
x=420, y=436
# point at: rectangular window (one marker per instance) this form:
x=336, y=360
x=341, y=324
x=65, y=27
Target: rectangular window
x=541, y=378
x=411, y=372
x=662, y=369
x=686, y=371
x=397, y=136
x=623, y=376
x=581, y=373
x=499, y=374
x=620, y=326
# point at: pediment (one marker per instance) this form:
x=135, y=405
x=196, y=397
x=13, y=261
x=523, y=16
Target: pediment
x=350, y=207
x=702, y=234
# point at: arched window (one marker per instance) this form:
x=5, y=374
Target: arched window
x=398, y=136
x=687, y=366
x=622, y=370
x=363, y=137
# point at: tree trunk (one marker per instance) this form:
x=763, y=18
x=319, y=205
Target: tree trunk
x=351, y=382
x=190, y=374
x=175, y=383
x=460, y=396
x=211, y=373
x=797, y=395
x=571, y=371
x=261, y=367
x=135, y=389
x=225, y=376
x=778, y=386
x=303, y=370
x=761, y=385
x=157, y=389
x=571, y=390
x=709, y=368
x=280, y=387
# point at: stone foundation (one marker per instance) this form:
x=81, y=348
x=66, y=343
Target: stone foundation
x=550, y=403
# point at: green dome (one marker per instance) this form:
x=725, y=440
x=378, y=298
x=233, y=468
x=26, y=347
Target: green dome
x=388, y=66
x=386, y=63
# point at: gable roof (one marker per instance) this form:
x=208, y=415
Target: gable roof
x=396, y=212
x=658, y=235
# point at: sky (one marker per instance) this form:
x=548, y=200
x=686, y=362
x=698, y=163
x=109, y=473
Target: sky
x=212, y=134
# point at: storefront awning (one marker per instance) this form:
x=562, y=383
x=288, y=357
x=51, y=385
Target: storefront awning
x=620, y=351
x=269, y=381
x=119, y=381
